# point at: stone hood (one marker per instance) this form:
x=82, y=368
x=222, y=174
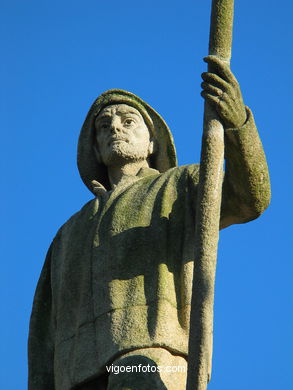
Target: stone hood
x=90, y=169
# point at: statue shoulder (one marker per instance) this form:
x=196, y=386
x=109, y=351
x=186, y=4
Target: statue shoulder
x=85, y=213
x=190, y=170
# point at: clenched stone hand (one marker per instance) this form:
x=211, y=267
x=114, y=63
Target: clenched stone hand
x=222, y=91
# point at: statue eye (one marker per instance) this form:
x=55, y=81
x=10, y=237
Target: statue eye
x=104, y=125
x=129, y=122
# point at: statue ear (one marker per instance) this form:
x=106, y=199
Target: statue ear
x=152, y=146
x=97, y=153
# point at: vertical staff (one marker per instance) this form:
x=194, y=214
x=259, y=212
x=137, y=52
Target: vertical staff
x=208, y=213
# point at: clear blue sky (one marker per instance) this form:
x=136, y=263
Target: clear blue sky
x=57, y=56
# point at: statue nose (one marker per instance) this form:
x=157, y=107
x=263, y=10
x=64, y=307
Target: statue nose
x=114, y=126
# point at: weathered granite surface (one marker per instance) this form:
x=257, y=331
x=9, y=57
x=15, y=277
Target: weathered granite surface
x=116, y=283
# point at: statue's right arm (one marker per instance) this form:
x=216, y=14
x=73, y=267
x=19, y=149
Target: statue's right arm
x=41, y=333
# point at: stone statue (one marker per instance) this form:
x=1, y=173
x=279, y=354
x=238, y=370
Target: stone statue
x=115, y=289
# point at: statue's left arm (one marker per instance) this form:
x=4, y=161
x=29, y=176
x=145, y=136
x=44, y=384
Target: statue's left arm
x=246, y=187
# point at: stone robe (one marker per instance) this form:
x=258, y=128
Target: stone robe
x=118, y=275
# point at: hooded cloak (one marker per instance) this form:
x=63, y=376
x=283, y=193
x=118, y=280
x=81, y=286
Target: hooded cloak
x=118, y=275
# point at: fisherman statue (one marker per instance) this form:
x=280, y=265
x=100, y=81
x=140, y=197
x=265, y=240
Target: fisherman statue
x=112, y=306
x=125, y=297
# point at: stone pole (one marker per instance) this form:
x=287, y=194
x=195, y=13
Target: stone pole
x=208, y=213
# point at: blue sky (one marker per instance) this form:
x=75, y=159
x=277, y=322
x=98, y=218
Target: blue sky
x=57, y=57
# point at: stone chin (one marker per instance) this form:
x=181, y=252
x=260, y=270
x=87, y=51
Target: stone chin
x=121, y=152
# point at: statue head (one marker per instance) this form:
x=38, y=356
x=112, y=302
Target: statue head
x=144, y=134
x=122, y=135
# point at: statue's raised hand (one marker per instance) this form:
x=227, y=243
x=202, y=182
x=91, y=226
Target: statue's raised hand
x=221, y=89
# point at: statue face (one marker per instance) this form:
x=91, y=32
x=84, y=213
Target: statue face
x=122, y=135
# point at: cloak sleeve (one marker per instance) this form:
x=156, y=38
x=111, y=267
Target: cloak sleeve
x=246, y=188
x=41, y=333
